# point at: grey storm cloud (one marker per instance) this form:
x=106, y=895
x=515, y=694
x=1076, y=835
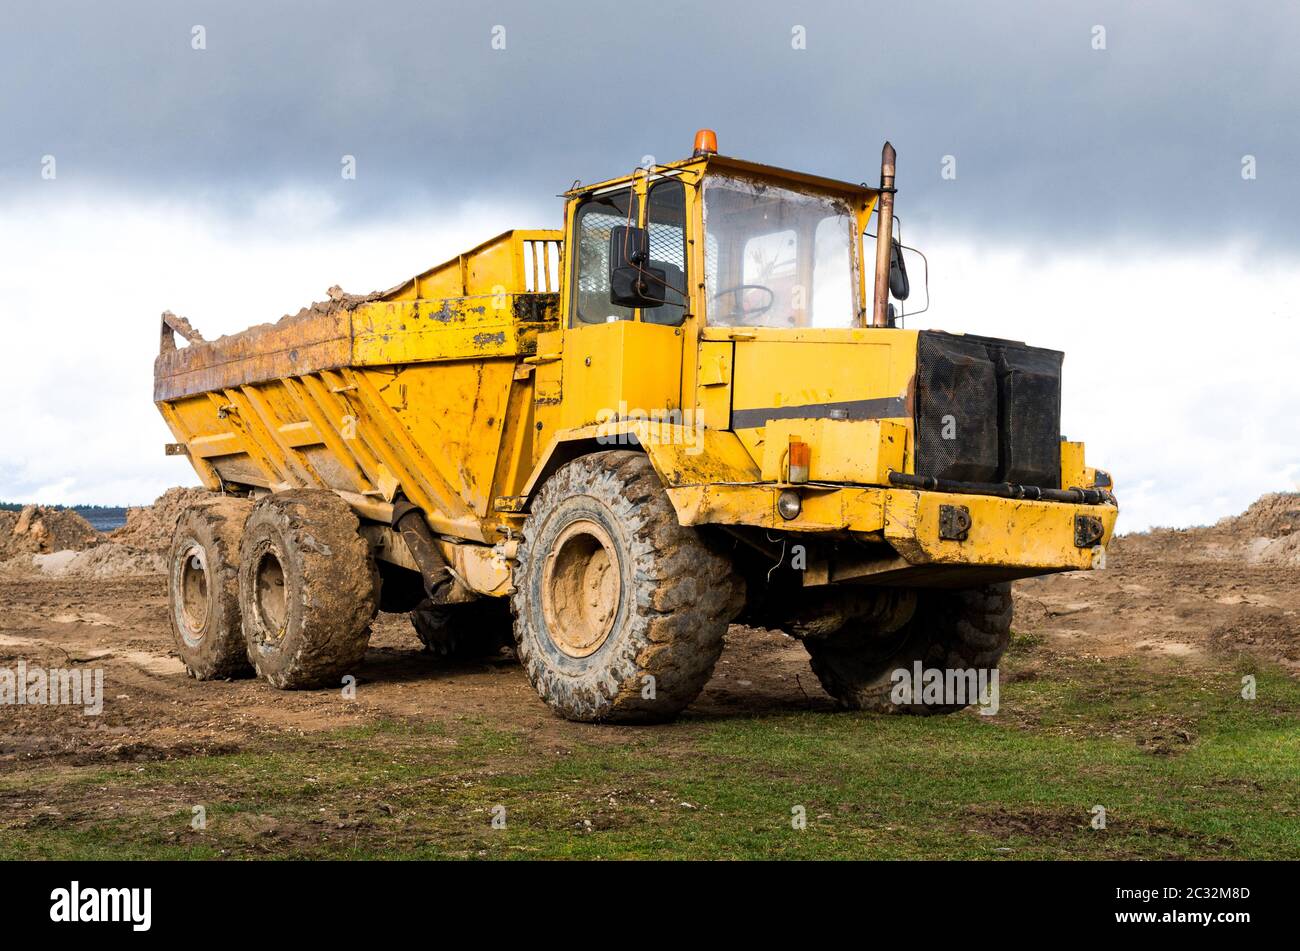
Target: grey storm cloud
x=1053, y=139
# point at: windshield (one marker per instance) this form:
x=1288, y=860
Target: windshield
x=776, y=257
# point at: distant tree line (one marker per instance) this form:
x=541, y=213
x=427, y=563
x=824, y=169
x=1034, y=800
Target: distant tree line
x=79, y=509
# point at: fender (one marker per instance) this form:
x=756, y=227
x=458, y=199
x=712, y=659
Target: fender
x=682, y=456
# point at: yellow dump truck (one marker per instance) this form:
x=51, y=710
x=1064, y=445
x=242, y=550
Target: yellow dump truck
x=604, y=444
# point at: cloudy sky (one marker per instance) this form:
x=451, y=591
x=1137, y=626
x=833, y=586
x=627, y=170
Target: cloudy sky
x=1126, y=179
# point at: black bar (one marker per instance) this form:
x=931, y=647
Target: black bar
x=255, y=901
x=1005, y=490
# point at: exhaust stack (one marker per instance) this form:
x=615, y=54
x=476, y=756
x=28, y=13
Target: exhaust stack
x=884, y=235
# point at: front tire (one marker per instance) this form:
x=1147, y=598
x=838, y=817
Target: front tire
x=620, y=611
x=949, y=630
x=308, y=589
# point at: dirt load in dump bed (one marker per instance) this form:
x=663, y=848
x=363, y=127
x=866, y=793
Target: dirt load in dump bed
x=337, y=301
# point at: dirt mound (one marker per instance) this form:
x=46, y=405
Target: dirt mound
x=1267, y=533
x=1183, y=594
x=109, y=560
x=56, y=542
x=149, y=528
x=40, y=530
x=1271, y=516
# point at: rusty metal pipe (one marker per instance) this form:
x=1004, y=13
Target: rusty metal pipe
x=410, y=523
x=884, y=236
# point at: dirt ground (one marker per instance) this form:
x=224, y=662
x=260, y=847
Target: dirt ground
x=1179, y=595
x=1228, y=588
x=153, y=710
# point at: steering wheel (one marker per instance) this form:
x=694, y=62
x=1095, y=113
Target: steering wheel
x=745, y=314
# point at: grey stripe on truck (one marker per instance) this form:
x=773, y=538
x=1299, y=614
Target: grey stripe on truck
x=885, y=407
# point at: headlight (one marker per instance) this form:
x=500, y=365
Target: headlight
x=788, y=504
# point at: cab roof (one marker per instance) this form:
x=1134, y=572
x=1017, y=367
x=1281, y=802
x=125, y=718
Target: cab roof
x=727, y=163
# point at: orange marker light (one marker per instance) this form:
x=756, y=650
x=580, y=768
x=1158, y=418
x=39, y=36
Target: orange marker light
x=706, y=142
x=800, y=456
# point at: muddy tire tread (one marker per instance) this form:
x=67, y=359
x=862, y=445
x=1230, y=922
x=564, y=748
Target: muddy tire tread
x=338, y=587
x=951, y=629
x=683, y=597
x=219, y=522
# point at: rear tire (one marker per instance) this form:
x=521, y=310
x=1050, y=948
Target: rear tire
x=203, y=589
x=611, y=591
x=308, y=589
x=949, y=630
x=464, y=631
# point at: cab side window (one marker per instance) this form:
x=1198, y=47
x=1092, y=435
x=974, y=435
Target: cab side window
x=592, y=224
x=666, y=223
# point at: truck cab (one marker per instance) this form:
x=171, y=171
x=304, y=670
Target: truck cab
x=726, y=317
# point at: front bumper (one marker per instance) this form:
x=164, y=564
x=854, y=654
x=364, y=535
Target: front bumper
x=936, y=531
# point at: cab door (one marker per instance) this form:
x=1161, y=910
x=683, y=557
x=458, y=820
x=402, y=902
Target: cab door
x=622, y=362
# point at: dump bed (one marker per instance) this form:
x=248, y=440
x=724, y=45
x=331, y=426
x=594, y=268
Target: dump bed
x=415, y=387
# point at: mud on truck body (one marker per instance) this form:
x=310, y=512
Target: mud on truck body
x=605, y=444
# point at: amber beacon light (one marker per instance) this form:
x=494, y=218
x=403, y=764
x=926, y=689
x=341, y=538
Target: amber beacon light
x=706, y=142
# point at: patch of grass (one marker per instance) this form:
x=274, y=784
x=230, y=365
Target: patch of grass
x=1183, y=766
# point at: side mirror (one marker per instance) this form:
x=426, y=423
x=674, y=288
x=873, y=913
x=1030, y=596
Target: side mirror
x=632, y=282
x=899, y=286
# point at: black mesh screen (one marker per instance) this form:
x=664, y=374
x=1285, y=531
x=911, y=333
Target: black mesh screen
x=987, y=410
x=596, y=218
x=666, y=224
x=1030, y=416
x=956, y=409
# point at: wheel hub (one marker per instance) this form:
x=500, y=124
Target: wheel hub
x=272, y=605
x=581, y=588
x=194, y=602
